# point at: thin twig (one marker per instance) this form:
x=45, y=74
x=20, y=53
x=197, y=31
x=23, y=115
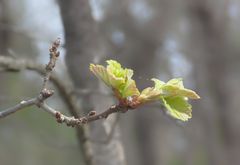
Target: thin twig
x=46, y=93
x=18, y=107
x=54, y=54
x=65, y=88
x=13, y=64
x=72, y=121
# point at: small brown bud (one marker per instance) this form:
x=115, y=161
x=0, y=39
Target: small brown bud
x=47, y=93
x=84, y=120
x=92, y=113
x=78, y=122
x=57, y=54
x=58, y=115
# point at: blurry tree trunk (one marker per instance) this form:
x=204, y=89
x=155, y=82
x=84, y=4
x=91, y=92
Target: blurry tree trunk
x=139, y=53
x=212, y=75
x=3, y=28
x=4, y=40
x=84, y=45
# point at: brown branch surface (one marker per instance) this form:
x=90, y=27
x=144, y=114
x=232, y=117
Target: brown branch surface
x=92, y=116
x=54, y=54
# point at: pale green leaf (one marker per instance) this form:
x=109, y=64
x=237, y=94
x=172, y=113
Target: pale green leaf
x=130, y=89
x=176, y=82
x=101, y=73
x=173, y=90
x=149, y=94
x=178, y=107
x=158, y=84
x=118, y=78
x=174, y=87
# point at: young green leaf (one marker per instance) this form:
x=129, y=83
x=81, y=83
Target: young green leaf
x=149, y=94
x=178, y=107
x=173, y=88
x=172, y=94
x=101, y=73
x=116, y=77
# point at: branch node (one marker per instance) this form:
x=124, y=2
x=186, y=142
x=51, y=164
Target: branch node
x=58, y=116
x=92, y=113
x=23, y=102
x=105, y=116
x=46, y=93
x=84, y=120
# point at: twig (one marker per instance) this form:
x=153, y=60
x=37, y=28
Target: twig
x=13, y=64
x=23, y=104
x=46, y=93
x=72, y=121
x=17, y=107
x=65, y=88
x=54, y=54
x=66, y=92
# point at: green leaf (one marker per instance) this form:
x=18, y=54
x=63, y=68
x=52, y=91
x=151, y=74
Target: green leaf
x=178, y=107
x=176, y=82
x=116, y=77
x=158, y=84
x=151, y=93
x=173, y=88
x=173, y=94
x=101, y=73
x=130, y=89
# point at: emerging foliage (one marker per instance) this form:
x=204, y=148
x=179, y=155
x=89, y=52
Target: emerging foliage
x=119, y=79
x=172, y=94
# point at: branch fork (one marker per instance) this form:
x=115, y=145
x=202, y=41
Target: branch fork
x=45, y=93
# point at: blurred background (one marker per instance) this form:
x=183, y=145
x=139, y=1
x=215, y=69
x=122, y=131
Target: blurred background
x=192, y=39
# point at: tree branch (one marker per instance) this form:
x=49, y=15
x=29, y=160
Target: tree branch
x=17, y=65
x=65, y=88
x=54, y=54
x=92, y=116
x=23, y=104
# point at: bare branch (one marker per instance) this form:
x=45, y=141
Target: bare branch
x=66, y=92
x=54, y=54
x=16, y=65
x=72, y=121
x=65, y=88
x=18, y=107
x=44, y=93
x=23, y=104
